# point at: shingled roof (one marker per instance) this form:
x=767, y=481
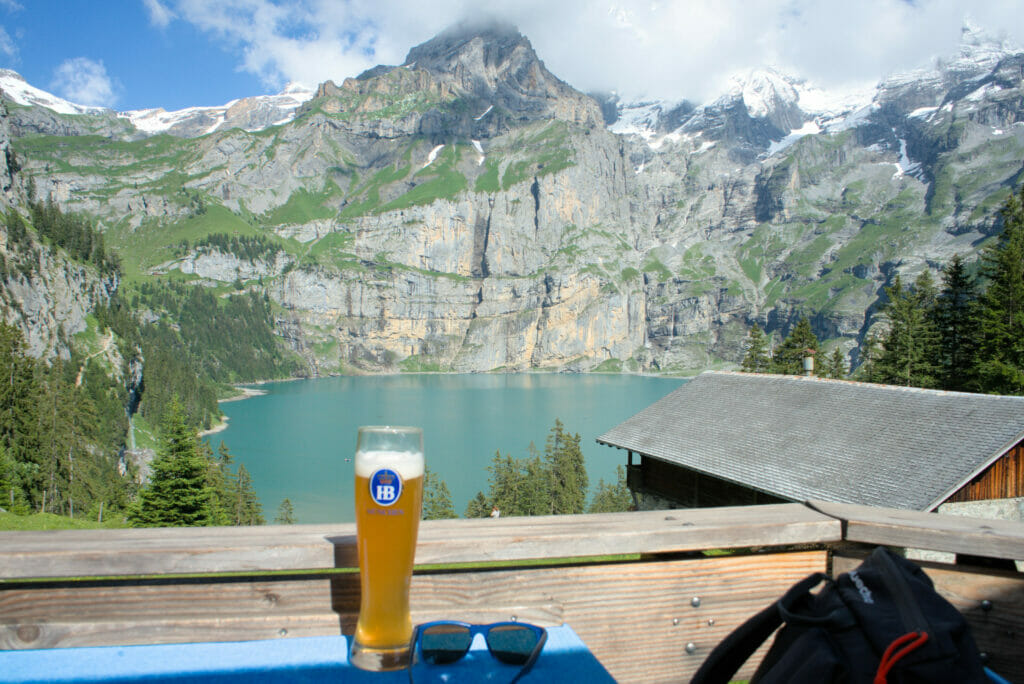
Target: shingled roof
x=808, y=438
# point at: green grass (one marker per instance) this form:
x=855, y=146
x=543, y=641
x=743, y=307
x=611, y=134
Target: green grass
x=48, y=521
x=333, y=249
x=365, y=199
x=444, y=182
x=488, y=181
x=654, y=266
x=153, y=243
x=752, y=269
x=421, y=364
x=304, y=206
x=546, y=151
x=609, y=366
x=90, y=340
x=146, y=436
x=629, y=273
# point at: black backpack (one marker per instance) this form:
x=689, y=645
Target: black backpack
x=882, y=623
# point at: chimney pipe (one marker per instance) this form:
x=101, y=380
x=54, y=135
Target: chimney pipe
x=808, y=362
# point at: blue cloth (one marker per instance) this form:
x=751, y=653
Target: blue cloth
x=303, y=659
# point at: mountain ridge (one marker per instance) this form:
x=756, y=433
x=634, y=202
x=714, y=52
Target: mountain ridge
x=469, y=211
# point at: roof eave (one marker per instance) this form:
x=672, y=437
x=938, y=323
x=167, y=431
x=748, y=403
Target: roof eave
x=935, y=503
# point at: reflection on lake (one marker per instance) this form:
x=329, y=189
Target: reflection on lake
x=296, y=439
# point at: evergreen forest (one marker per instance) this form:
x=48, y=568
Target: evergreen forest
x=964, y=333
x=552, y=483
x=173, y=349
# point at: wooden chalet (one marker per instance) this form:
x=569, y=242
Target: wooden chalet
x=741, y=438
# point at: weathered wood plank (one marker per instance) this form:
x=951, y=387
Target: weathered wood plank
x=636, y=617
x=914, y=529
x=998, y=626
x=77, y=553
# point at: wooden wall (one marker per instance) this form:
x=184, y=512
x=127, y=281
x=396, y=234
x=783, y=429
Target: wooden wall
x=691, y=489
x=1003, y=479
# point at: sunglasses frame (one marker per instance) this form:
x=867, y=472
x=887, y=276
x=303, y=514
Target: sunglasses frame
x=417, y=635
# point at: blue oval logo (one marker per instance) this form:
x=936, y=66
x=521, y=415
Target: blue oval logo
x=385, y=486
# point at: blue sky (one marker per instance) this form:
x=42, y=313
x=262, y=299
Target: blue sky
x=135, y=54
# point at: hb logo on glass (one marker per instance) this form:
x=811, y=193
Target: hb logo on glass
x=385, y=487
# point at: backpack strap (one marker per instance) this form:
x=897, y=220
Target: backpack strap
x=729, y=655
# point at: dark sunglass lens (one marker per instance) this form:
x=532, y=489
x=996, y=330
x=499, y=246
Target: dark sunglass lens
x=512, y=644
x=443, y=644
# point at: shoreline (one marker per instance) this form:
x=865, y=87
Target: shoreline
x=248, y=392
x=222, y=425
x=219, y=427
x=245, y=393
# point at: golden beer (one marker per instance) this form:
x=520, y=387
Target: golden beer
x=389, y=495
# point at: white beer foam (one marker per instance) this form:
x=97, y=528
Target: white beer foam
x=408, y=464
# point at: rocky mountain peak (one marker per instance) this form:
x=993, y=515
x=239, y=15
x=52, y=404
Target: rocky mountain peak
x=479, y=47
x=494, y=63
x=768, y=94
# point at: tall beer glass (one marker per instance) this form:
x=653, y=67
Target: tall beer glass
x=389, y=495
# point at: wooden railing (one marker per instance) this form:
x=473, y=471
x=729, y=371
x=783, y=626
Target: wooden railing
x=650, y=616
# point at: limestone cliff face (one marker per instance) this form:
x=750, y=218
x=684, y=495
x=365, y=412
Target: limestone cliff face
x=50, y=303
x=469, y=211
x=41, y=292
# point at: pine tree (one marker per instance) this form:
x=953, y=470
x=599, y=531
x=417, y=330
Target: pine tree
x=285, y=513
x=177, y=494
x=567, y=474
x=21, y=403
x=478, y=507
x=534, y=485
x=869, y=353
x=789, y=356
x=12, y=495
x=758, y=358
x=222, y=483
x=248, y=510
x=612, y=498
x=910, y=347
x=505, y=484
x=834, y=365
x=1000, y=358
x=437, y=500
x=957, y=324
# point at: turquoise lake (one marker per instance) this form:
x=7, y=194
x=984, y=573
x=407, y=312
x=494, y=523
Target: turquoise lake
x=295, y=439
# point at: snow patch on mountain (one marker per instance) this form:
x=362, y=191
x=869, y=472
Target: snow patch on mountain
x=154, y=121
x=433, y=155
x=19, y=91
x=809, y=128
x=642, y=118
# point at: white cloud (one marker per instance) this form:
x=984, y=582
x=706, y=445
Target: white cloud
x=7, y=46
x=665, y=48
x=159, y=15
x=84, y=81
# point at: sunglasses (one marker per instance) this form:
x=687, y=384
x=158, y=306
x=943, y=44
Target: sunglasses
x=445, y=642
